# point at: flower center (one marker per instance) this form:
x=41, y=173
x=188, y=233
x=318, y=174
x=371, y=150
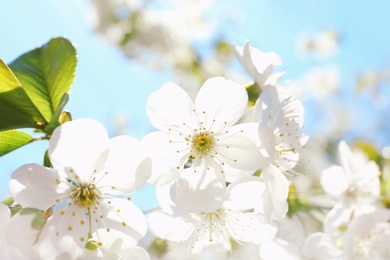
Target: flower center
x=202, y=143
x=85, y=195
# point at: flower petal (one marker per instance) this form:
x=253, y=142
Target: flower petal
x=220, y=103
x=195, y=188
x=275, y=203
x=35, y=186
x=249, y=227
x=210, y=231
x=5, y=215
x=65, y=231
x=346, y=158
x=168, y=156
x=239, y=152
x=266, y=144
x=126, y=167
x=320, y=246
x=116, y=251
x=171, y=107
x=175, y=229
x=245, y=194
x=280, y=249
x=76, y=145
x=258, y=64
x=118, y=218
x=166, y=196
x=334, y=181
x=21, y=232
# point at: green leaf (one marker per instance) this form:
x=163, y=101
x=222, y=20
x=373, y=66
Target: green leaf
x=46, y=74
x=17, y=110
x=38, y=221
x=46, y=160
x=13, y=139
x=55, y=119
x=8, y=201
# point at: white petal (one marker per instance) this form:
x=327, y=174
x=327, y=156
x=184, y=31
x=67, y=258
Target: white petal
x=65, y=231
x=127, y=166
x=334, y=181
x=166, y=160
x=266, y=144
x=77, y=145
x=5, y=215
x=116, y=251
x=170, y=107
x=233, y=174
x=320, y=246
x=276, y=193
x=119, y=218
x=239, y=152
x=211, y=231
x=290, y=109
x=280, y=249
x=249, y=227
x=245, y=194
x=346, y=158
x=220, y=103
x=35, y=186
x=195, y=188
x=20, y=232
x=338, y=216
x=262, y=108
x=166, y=196
x=16, y=238
x=258, y=64
x=175, y=229
x=367, y=181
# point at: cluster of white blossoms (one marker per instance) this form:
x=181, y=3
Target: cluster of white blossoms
x=357, y=226
x=223, y=183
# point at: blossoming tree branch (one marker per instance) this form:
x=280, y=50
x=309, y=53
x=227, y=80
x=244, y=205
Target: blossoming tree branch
x=223, y=165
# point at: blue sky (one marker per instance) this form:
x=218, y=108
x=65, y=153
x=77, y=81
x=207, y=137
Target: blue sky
x=108, y=84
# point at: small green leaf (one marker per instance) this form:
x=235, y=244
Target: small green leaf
x=46, y=160
x=13, y=139
x=8, y=201
x=27, y=211
x=46, y=74
x=38, y=221
x=17, y=110
x=55, y=119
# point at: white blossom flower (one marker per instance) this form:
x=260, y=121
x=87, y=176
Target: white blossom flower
x=367, y=236
x=354, y=185
x=17, y=235
x=321, y=45
x=280, y=121
x=259, y=65
x=203, y=132
x=321, y=246
x=88, y=189
x=292, y=231
x=230, y=216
